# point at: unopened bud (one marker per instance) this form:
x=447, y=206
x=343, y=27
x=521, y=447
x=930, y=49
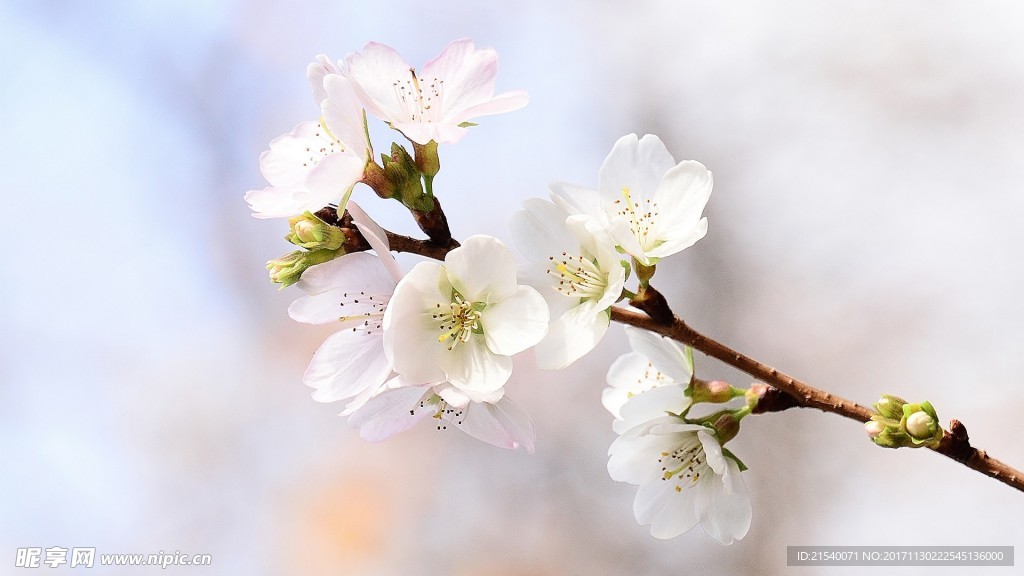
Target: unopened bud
x=727, y=426
x=873, y=428
x=287, y=269
x=715, y=391
x=312, y=233
x=890, y=406
x=920, y=425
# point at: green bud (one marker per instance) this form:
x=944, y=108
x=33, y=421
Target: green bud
x=715, y=391
x=312, y=233
x=901, y=425
x=890, y=406
x=727, y=426
x=287, y=269
x=921, y=423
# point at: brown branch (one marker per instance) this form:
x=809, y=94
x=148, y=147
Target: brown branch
x=955, y=443
x=428, y=248
x=659, y=318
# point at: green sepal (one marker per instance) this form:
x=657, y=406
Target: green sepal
x=728, y=454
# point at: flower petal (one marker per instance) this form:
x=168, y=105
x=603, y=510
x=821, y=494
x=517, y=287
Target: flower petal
x=572, y=335
x=389, y=413
x=664, y=353
x=468, y=75
x=727, y=514
x=410, y=334
x=347, y=363
x=472, y=367
x=516, y=322
x=503, y=424
x=635, y=164
x=482, y=269
x=539, y=230
x=374, y=72
x=343, y=114
x=315, y=73
x=651, y=406
x=504, y=102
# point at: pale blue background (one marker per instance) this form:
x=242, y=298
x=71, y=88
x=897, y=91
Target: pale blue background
x=865, y=236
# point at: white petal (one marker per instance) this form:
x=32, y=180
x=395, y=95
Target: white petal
x=626, y=376
x=315, y=73
x=468, y=75
x=713, y=451
x=390, y=412
x=291, y=156
x=346, y=364
x=343, y=114
x=333, y=178
x=374, y=72
x=683, y=193
x=354, y=272
x=636, y=164
x=503, y=424
x=424, y=132
x=482, y=269
x=664, y=353
x=540, y=230
x=472, y=367
x=504, y=102
x=726, y=515
x=410, y=334
x=278, y=202
x=634, y=458
x=572, y=335
x=673, y=513
x=652, y=405
x=578, y=200
x=516, y=322
x=459, y=398
x=376, y=237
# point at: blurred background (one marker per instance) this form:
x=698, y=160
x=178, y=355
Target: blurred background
x=865, y=235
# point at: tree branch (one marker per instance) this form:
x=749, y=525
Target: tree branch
x=659, y=318
x=955, y=443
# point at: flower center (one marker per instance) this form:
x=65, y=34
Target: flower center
x=577, y=277
x=641, y=217
x=328, y=144
x=367, y=310
x=420, y=99
x=443, y=411
x=458, y=322
x=685, y=464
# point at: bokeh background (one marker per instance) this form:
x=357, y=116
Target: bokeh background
x=865, y=235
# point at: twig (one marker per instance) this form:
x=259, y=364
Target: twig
x=955, y=443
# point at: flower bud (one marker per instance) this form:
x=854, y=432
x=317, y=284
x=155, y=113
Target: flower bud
x=890, y=406
x=287, y=269
x=921, y=423
x=312, y=233
x=901, y=425
x=716, y=391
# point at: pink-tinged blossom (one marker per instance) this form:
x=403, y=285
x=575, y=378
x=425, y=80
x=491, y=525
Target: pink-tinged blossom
x=400, y=406
x=318, y=163
x=352, y=292
x=436, y=102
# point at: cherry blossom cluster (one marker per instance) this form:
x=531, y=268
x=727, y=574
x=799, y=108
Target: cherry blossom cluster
x=438, y=340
